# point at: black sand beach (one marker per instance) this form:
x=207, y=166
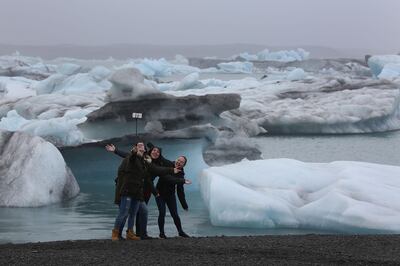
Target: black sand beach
x=254, y=250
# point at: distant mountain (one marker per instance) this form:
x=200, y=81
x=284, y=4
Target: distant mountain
x=123, y=51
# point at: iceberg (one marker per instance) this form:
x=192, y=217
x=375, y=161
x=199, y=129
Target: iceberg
x=378, y=62
x=50, y=116
x=32, y=172
x=281, y=56
x=161, y=67
x=342, y=196
x=236, y=67
x=70, y=81
x=23, y=66
x=15, y=88
x=390, y=72
x=296, y=74
x=191, y=81
x=128, y=83
x=316, y=105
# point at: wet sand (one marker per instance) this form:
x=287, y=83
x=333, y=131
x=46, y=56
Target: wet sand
x=252, y=250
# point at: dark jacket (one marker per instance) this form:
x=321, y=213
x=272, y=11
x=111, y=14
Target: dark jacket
x=166, y=187
x=133, y=173
x=160, y=161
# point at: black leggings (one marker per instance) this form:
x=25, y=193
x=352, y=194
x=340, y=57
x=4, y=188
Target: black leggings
x=173, y=210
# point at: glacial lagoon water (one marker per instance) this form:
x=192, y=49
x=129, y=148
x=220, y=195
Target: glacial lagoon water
x=91, y=214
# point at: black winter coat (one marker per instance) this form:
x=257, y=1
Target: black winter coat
x=133, y=173
x=166, y=187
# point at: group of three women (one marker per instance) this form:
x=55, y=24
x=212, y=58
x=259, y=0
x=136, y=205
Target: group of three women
x=134, y=186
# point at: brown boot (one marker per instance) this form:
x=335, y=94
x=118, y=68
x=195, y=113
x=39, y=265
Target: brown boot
x=115, y=235
x=130, y=235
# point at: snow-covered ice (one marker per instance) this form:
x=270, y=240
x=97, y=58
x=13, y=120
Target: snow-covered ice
x=284, y=193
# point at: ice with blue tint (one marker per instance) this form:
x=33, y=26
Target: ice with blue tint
x=190, y=81
x=50, y=116
x=284, y=193
x=378, y=63
x=69, y=81
x=284, y=100
x=282, y=56
x=33, y=172
x=390, y=72
x=69, y=69
x=61, y=131
x=161, y=67
x=236, y=67
x=296, y=74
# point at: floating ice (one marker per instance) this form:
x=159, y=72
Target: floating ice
x=236, y=67
x=282, y=56
x=32, y=172
x=191, y=81
x=69, y=69
x=316, y=105
x=378, y=62
x=61, y=131
x=70, y=82
x=180, y=60
x=50, y=116
x=24, y=66
x=128, y=83
x=390, y=72
x=161, y=67
x=248, y=57
x=285, y=193
x=296, y=74
x=15, y=88
x=285, y=56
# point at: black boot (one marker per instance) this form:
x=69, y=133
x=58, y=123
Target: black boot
x=183, y=234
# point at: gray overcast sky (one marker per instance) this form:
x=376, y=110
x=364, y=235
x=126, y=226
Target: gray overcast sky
x=334, y=23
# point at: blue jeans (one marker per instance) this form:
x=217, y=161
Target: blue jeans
x=173, y=210
x=126, y=207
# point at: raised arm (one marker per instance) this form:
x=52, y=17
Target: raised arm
x=112, y=148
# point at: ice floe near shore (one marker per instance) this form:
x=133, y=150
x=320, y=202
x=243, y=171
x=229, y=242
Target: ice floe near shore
x=284, y=193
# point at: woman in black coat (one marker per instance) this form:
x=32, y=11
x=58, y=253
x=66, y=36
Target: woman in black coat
x=166, y=187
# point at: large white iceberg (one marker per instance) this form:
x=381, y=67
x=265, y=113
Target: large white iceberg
x=32, y=172
x=284, y=193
